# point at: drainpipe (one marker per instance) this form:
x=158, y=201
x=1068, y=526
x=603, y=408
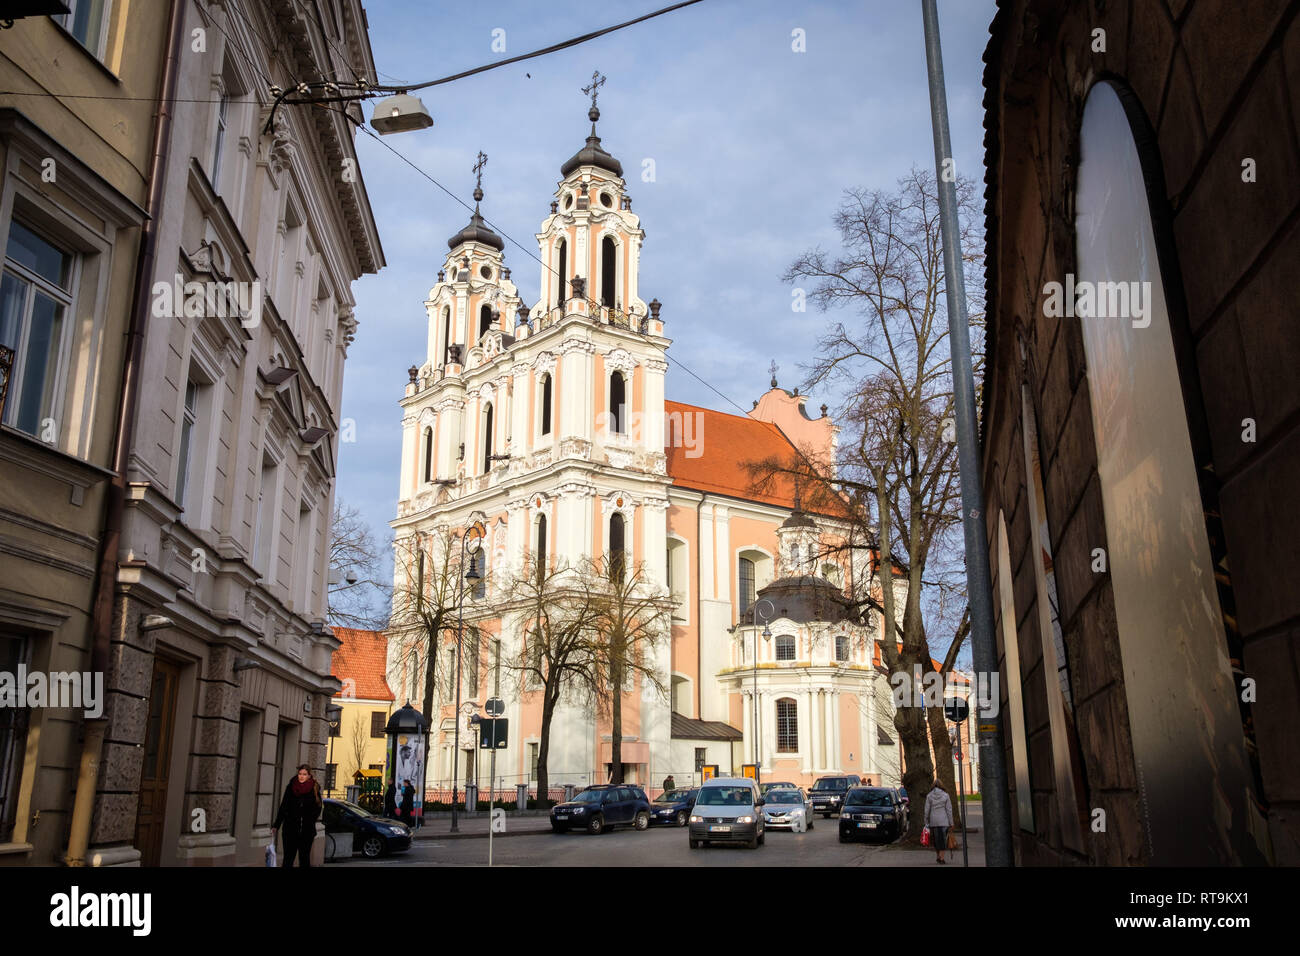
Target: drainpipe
x=106, y=577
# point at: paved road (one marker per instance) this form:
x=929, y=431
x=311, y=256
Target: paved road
x=662, y=846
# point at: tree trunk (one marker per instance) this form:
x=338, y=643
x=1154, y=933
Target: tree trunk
x=544, y=746
x=616, y=724
x=915, y=740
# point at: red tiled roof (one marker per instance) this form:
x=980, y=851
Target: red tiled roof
x=363, y=658
x=728, y=443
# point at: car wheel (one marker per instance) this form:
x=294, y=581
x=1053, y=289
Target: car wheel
x=596, y=824
x=843, y=838
x=681, y=818
x=372, y=847
x=695, y=844
x=762, y=838
x=753, y=842
x=642, y=820
x=555, y=828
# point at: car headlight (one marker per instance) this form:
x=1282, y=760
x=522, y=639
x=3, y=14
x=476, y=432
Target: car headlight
x=579, y=809
x=846, y=816
x=745, y=820
x=397, y=831
x=695, y=819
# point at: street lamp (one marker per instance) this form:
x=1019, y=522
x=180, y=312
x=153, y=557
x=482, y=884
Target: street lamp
x=767, y=636
x=333, y=715
x=470, y=542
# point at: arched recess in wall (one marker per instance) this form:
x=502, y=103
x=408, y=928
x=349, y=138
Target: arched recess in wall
x=1196, y=783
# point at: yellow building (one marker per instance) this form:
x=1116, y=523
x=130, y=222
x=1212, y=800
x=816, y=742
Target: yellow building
x=358, y=742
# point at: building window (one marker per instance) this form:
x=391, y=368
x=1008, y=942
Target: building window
x=841, y=647
x=428, y=454
x=189, y=416
x=562, y=274
x=787, y=726
x=785, y=647
x=446, y=336
x=378, y=721
x=608, y=271
x=541, y=546
x=532, y=762
x=87, y=21
x=617, y=548
x=267, y=495
x=484, y=320
x=701, y=758
x=746, y=584
x=13, y=737
x=487, y=440
x=223, y=113
x=35, y=294
x=478, y=563
x=617, y=404
x=546, y=404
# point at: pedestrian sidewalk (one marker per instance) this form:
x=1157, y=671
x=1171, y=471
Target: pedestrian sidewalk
x=437, y=826
x=900, y=855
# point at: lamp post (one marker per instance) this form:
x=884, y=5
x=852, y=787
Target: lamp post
x=333, y=715
x=469, y=545
x=767, y=636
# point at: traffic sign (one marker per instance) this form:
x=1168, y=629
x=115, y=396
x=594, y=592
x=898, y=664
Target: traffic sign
x=495, y=707
x=955, y=709
x=493, y=733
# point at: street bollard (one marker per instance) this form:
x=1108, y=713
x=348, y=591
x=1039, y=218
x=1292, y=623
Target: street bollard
x=471, y=798
x=521, y=798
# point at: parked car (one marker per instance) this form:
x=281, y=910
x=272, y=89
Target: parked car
x=783, y=807
x=727, y=810
x=673, y=806
x=783, y=785
x=828, y=792
x=371, y=835
x=603, y=807
x=872, y=812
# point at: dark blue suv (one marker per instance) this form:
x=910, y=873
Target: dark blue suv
x=602, y=808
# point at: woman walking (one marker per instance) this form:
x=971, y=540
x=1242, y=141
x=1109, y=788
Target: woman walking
x=299, y=810
x=938, y=817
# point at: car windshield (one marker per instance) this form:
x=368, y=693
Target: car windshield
x=671, y=796
x=831, y=783
x=784, y=796
x=359, y=811
x=868, y=798
x=589, y=796
x=726, y=797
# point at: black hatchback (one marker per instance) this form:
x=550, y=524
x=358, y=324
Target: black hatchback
x=371, y=835
x=602, y=808
x=872, y=812
x=673, y=807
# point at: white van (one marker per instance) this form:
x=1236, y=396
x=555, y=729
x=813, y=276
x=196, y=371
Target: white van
x=727, y=810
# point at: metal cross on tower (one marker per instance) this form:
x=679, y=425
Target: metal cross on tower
x=478, y=175
x=773, y=370
x=597, y=81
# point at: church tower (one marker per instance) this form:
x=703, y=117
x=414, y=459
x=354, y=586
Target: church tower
x=546, y=424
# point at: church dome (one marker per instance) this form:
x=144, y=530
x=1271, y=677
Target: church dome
x=804, y=599
x=592, y=154
x=477, y=231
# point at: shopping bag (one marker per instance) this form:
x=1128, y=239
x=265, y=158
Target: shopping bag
x=925, y=837
x=952, y=840
x=270, y=854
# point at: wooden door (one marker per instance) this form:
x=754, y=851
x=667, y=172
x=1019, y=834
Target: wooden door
x=159, y=731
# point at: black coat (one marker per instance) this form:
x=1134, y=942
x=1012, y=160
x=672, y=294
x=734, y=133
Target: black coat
x=299, y=812
x=408, y=801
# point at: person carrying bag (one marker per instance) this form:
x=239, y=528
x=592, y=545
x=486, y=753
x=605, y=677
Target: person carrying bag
x=299, y=810
x=938, y=817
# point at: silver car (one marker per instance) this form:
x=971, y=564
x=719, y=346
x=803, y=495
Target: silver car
x=787, y=808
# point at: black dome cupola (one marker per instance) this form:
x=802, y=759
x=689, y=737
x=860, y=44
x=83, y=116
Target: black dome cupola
x=477, y=230
x=592, y=154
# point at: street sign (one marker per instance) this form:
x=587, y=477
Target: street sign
x=495, y=707
x=955, y=709
x=493, y=733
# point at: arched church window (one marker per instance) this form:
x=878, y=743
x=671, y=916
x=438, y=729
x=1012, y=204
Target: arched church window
x=617, y=555
x=446, y=336
x=484, y=320
x=608, y=271
x=487, y=440
x=540, y=550
x=617, y=403
x=746, y=574
x=428, y=454
x=787, y=725
x=546, y=403
x=485, y=272
x=785, y=647
x=562, y=270
x=841, y=647
x=606, y=200
x=794, y=557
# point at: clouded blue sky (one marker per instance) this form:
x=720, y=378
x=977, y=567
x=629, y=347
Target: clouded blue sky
x=752, y=144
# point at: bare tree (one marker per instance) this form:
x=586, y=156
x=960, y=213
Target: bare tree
x=360, y=738
x=896, y=468
x=559, y=653
x=357, y=598
x=632, y=618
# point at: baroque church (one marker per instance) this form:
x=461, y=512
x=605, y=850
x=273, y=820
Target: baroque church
x=549, y=425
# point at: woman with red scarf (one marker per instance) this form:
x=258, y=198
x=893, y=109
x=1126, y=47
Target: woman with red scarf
x=299, y=810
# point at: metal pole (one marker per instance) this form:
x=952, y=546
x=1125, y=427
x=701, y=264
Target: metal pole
x=455, y=753
x=993, y=771
x=961, y=801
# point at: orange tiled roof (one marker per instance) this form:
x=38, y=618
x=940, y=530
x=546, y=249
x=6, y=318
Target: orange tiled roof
x=363, y=657
x=728, y=443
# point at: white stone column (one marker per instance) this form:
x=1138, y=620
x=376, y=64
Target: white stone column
x=521, y=429
x=705, y=545
x=837, y=760
x=722, y=553
x=652, y=427
x=653, y=548
x=412, y=448
x=450, y=414
x=805, y=730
